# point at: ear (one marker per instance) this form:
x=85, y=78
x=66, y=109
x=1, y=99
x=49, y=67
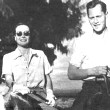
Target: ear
x=15, y=37
x=106, y=13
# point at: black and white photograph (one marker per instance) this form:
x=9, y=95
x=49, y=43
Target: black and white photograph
x=54, y=55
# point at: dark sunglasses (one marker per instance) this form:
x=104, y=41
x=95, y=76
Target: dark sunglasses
x=23, y=33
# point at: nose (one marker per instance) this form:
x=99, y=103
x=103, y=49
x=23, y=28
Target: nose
x=95, y=20
x=23, y=35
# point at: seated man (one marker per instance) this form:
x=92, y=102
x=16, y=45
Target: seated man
x=91, y=60
x=26, y=73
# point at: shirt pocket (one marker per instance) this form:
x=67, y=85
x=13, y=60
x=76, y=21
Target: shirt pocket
x=19, y=69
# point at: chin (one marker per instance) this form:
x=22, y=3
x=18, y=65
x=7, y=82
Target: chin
x=98, y=31
x=24, y=44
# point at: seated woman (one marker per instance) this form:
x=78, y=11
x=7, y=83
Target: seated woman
x=27, y=74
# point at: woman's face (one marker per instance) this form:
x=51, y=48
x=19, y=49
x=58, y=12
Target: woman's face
x=22, y=36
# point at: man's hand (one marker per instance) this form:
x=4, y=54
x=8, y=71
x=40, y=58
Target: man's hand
x=108, y=72
x=98, y=70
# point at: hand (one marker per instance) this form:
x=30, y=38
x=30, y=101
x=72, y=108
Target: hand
x=108, y=72
x=51, y=100
x=4, y=89
x=50, y=97
x=98, y=70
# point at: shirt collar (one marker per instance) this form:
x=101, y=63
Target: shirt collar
x=17, y=53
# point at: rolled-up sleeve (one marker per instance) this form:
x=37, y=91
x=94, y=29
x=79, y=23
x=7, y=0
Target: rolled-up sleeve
x=76, y=59
x=6, y=66
x=78, y=54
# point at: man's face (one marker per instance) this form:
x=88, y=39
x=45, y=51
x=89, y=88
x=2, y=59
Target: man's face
x=22, y=36
x=97, y=18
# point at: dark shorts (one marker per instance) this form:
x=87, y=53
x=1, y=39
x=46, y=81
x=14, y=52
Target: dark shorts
x=93, y=96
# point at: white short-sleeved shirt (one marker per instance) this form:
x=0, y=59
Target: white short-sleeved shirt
x=29, y=74
x=91, y=51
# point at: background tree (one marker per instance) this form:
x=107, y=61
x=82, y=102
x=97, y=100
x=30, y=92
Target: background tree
x=51, y=22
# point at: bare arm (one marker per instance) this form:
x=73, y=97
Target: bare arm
x=49, y=89
x=75, y=73
x=49, y=82
x=9, y=81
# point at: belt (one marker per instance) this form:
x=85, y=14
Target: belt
x=38, y=94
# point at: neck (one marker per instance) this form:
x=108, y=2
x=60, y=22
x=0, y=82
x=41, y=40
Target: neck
x=23, y=50
x=100, y=32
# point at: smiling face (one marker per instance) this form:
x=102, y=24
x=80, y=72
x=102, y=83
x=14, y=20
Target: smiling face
x=97, y=18
x=22, y=36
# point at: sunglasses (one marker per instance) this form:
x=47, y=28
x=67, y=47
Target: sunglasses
x=23, y=33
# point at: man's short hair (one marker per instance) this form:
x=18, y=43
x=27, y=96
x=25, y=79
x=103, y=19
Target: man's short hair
x=93, y=3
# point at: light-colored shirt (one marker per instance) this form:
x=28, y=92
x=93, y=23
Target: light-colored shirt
x=92, y=50
x=26, y=73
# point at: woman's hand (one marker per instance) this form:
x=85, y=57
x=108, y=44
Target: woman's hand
x=4, y=89
x=50, y=97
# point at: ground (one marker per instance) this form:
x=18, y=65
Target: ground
x=64, y=103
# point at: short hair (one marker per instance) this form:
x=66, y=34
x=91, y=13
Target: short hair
x=19, y=24
x=30, y=29
x=93, y=3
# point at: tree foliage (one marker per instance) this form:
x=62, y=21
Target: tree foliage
x=50, y=22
